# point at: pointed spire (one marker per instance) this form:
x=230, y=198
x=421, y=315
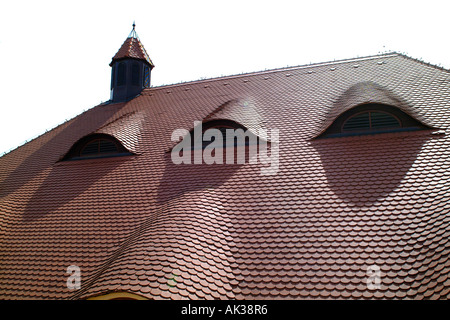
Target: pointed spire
x=132, y=48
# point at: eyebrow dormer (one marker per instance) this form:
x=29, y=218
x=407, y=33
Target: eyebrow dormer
x=372, y=118
x=369, y=108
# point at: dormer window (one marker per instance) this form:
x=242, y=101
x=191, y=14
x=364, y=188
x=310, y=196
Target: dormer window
x=135, y=76
x=370, y=121
x=121, y=74
x=231, y=133
x=372, y=118
x=217, y=141
x=96, y=146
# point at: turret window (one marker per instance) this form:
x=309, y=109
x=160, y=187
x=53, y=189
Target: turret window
x=135, y=74
x=121, y=74
x=146, y=80
x=113, y=77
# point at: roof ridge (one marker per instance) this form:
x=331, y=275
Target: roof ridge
x=311, y=65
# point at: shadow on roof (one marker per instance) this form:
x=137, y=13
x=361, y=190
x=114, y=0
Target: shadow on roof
x=67, y=182
x=361, y=170
x=179, y=179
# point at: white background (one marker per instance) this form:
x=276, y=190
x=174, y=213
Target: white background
x=55, y=55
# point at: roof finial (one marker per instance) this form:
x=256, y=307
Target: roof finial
x=133, y=33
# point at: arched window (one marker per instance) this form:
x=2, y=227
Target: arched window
x=96, y=146
x=372, y=118
x=135, y=74
x=99, y=147
x=370, y=121
x=230, y=132
x=121, y=74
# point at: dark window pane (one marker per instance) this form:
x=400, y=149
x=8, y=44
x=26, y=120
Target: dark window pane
x=121, y=74
x=98, y=147
x=107, y=147
x=90, y=149
x=232, y=139
x=383, y=120
x=371, y=120
x=135, y=74
x=359, y=122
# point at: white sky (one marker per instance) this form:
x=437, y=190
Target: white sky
x=55, y=55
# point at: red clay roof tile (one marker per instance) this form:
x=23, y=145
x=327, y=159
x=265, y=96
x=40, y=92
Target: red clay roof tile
x=132, y=48
x=336, y=207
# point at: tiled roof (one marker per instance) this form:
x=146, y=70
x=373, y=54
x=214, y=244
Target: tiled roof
x=143, y=225
x=132, y=48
